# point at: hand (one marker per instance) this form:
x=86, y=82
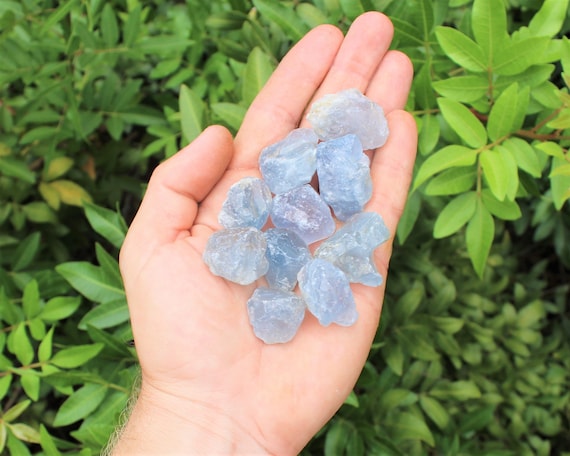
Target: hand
x=208, y=384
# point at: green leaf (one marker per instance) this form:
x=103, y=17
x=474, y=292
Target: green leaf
x=562, y=170
x=20, y=345
x=70, y=358
x=406, y=33
x=109, y=26
x=112, y=343
x=60, y=12
x=436, y=412
x=80, y=404
x=549, y=18
x=39, y=212
x=489, y=23
x=31, y=300
x=352, y=400
x=226, y=20
x=479, y=237
x=452, y=182
x=517, y=56
x=164, y=45
x=132, y=26
x=461, y=390
x=461, y=49
x=394, y=357
x=110, y=265
x=560, y=184
x=525, y=156
x=448, y=325
x=500, y=171
x=408, y=303
x=351, y=8
x=15, y=411
x=107, y=223
x=409, y=426
x=283, y=16
x=429, y=134
x=91, y=281
x=47, y=443
x=425, y=97
x=30, y=382
x=505, y=210
x=448, y=157
x=531, y=314
x=5, y=383
x=26, y=251
x=59, y=308
x=424, y=11
x=454, y=215
x=191, y=113
x=502, y=115
x=463, y=122
x=256, y=73
x=69, y=192
x=45, y=347
x=106, y=315
x=230, y=113
x=13, y=167
x=465, y=89
x=25, y=433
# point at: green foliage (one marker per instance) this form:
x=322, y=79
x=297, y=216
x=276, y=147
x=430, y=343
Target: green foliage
x=472, y=353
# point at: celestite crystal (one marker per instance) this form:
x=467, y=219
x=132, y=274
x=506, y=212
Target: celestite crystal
x=303, y=211
x=287, y=253
x=248, y=203
x=275, y=314
x=290, y=162
x=237, y=254
x=343, y=170
x=327, y=293
x=347, y=112
x=352, y=246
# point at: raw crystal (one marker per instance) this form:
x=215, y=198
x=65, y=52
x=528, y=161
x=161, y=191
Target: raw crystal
x=352, y=246
x=275, y=314
x=248, y=203
x=303, y=211
x=237, y=254
x=327, y=292
x=290, y=162
x=346, y=112
x=287, y=253
x=344, y=175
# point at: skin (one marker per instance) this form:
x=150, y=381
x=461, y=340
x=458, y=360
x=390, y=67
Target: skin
x=209, y=386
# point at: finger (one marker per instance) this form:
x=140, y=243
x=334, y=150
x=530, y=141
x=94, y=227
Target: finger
x=278, y=108
x=176, y=187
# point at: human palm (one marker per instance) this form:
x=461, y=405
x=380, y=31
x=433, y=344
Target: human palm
x=197, y=350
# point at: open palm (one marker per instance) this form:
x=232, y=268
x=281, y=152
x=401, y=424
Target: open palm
x=199, y=357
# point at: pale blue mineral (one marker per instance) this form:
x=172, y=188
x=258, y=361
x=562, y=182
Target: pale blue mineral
x=248, y=203
x=327, y=293
x=290, y=162
x=352, y=246
x=275, y=314
x=237, y=254
x=343, y=170
x=303, y=211
x=347, y=112
x=287, y=253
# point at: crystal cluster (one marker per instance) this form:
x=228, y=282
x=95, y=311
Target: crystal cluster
x=269, y=223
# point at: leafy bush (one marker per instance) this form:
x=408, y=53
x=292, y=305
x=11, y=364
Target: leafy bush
x=472, y=356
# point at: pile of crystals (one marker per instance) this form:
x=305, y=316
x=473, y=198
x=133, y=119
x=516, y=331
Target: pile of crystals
x=268, y=224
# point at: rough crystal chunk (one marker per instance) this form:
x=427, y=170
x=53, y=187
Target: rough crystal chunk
x=344, y=175
x=303, y=211
x=327, y=293
x=248, y=203
x=290, y=162
x=237, y=254
x=347, y=112
x=287, y=253
x=275, y=314
x=352, y=246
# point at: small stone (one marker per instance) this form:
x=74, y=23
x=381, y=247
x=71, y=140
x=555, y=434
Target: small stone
x=275, y=314
x=344, y=175
x=347, y=112
x=327, y=293
x=237, y=254
x=352, y=246
x=247, y=204
x=303, y=211
x=290, y=162
x=287, y=253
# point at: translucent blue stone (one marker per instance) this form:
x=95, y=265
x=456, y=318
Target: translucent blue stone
x=247, y=204
x=327, y=293
x=304, y=212
x=352, y=246
x=237, y=254
x=290, y=162
x=347, y=112
x=344, y=175
x=275, y=314
x=287, y=253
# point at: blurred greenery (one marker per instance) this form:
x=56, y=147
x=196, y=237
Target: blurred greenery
x=473, y=353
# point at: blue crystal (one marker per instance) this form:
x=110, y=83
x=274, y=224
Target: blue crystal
x=287, y=253
x=303, y=211
x=237, y=254
x=290, y=162
x=248, y=203
x=327, y=292
x=275, y=314
x=352, y=246
x=347, y=112
x=344, y=175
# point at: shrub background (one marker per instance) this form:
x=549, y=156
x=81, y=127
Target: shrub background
x=473, y=352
